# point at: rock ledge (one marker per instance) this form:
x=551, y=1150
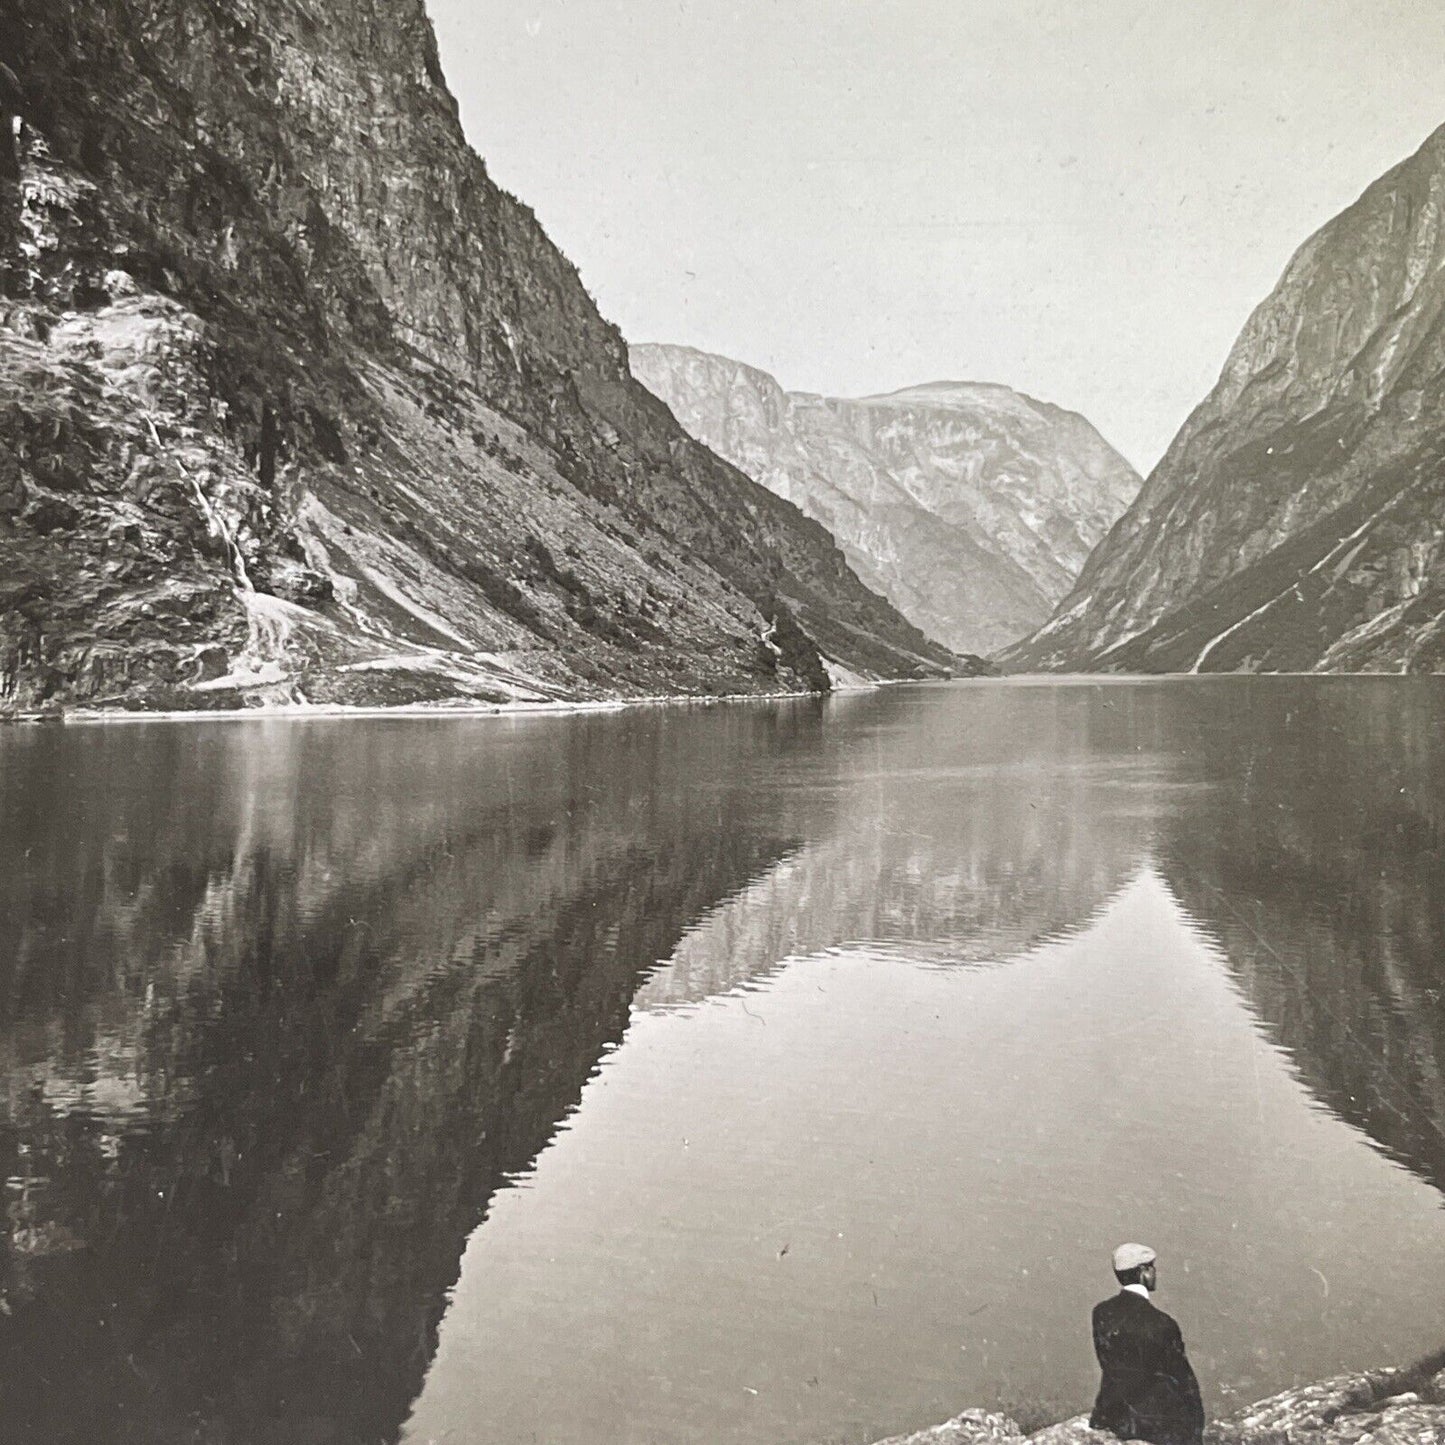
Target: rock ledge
x=1376, y=1407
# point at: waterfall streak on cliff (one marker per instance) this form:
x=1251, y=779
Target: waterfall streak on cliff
x=268, y=620
x=215, y=523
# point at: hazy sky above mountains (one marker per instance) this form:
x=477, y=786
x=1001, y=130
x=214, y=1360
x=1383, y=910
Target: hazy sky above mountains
x=1083, y=199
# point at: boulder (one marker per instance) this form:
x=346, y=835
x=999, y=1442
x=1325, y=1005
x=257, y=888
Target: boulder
x=1293, y=1414
x=1405, y=1421
x=972, y=1427
x=1072, y=1432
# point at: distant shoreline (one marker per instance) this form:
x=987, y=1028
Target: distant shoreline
x=75, y=716
x=305, y=712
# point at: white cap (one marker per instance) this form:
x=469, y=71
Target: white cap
x=1131, y=1256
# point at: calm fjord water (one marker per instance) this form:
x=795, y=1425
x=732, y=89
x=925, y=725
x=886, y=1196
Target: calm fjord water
x=766, y=1073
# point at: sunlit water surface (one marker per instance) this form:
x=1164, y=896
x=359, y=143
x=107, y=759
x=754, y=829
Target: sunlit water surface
x=764, y=1073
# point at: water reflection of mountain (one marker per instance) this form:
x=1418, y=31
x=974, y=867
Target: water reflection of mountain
x=1316, y=859
x=1023, y=859
x=268, y=1056
x=970, y=836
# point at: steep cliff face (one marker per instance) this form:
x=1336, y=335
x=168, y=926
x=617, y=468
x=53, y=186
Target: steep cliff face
x=297, y=404
x=1296, y=521
x=970, y=507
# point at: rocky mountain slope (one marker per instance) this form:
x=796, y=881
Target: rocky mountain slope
x=1296, y=521
x=970, y=507
x=296, y=404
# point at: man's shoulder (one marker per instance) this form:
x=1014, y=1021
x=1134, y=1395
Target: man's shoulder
x=1128, y=1303
x=1125, y=1299
x=1152, y=1319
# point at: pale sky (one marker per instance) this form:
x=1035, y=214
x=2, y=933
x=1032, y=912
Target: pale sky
x=1083, y=199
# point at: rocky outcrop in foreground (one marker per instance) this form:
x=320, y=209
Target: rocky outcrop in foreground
x=971, y=507
x=297, y=405
x=1380, y=1407
x=1297, y=522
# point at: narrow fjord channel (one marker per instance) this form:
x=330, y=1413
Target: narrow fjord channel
x=778, y=1072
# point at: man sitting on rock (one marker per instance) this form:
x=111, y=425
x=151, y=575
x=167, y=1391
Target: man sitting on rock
x=1148, y=1391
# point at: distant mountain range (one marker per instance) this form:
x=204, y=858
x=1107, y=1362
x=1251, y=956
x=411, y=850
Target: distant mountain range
x=970, y=506
x=1296, y=522
x=296, y=404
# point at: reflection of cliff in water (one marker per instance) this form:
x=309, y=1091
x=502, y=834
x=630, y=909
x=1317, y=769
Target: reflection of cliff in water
x=269, y=1056
x=960, y=844
x=1316, y=860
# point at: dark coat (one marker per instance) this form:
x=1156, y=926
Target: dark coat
x=1148, y=1391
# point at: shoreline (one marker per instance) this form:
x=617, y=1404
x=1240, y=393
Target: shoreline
x=304, y=712
x=90, y=716
x=1390, y=1406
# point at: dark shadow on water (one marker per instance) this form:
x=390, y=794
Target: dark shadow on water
x=269, y=1056
x=1317, y=859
